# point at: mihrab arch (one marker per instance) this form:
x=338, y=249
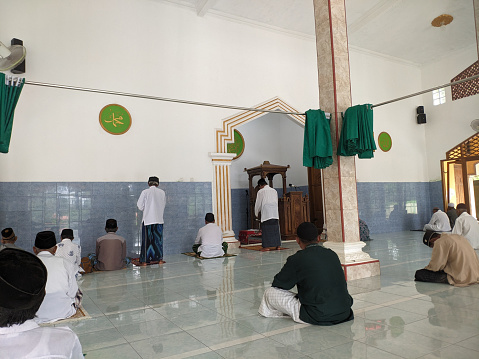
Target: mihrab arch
x=222, y=160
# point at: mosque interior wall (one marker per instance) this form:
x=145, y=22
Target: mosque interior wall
x=64, y=170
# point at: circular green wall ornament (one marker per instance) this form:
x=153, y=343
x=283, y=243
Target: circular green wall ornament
x=115, y=119
x=237, y=146
x=385, y=142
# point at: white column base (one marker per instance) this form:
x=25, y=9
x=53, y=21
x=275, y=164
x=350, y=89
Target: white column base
x=356, y=264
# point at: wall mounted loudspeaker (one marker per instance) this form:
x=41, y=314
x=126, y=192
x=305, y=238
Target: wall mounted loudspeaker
x=421, y=116
x=20, y=69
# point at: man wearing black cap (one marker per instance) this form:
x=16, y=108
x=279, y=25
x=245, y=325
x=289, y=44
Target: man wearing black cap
x=152, y=202
x=453, y=260
x=62, y=294
x=267, y=203
x=110, y=249
x=209, y=240
x=69, y=250
x=322, y=298
x=23, y=278
x=8, y=239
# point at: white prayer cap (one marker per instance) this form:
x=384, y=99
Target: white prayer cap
x=451, y=204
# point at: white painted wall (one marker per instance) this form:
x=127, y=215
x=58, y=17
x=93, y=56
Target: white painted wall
x=376, y=79
x=447, y=124
x=146, y=47
x=286, y=148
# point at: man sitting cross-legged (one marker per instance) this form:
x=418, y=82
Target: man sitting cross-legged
x=453, y=260
x=69, y=250
x=209, y=241
x=110, y=248
x=62, y=294
x=322, y=298
x=23, y=278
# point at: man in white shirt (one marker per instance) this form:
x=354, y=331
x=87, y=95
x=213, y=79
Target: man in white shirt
x=267, y=204
x=62, y=294
x=209, y=241
x=439, y=222
x=69, y=250
x=466, y=226
x=152, y=202
x=23, y=278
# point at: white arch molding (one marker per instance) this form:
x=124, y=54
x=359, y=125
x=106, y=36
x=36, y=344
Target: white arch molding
x=221, y=161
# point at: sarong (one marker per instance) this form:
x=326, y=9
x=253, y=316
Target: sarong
x=270, y=237
x=151, y=243
x=278, y=302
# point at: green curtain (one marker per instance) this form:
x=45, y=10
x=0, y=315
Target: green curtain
x=9, y=93
x=317, y=146
x=357, y=132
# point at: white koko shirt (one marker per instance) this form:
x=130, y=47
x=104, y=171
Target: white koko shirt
x=61, y=289
x=152, y=202
x=467, y=226
x=210, y=237
x=70, y=251
x=439, y=222
x=267, y=203
x=30, y=341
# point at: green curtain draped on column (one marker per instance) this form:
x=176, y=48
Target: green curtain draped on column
x=9, y=93
x=317, y=146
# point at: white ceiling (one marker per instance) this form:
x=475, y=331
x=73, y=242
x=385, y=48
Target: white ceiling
x=397, y=28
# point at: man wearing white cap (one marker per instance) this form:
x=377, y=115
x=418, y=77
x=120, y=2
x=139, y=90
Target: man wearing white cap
x=452, y=214
x=439, y=222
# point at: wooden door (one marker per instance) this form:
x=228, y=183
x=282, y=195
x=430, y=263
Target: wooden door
x=316, y=197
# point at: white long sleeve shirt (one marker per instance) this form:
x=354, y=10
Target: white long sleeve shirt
x=210, y=238
x=61, y=289
x=267, y=203
x=70, y=251
x=439, y=222
x=152, y=202
x=30, y=341
x=467, y=226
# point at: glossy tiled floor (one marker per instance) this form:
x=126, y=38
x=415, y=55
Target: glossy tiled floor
x=208, y=309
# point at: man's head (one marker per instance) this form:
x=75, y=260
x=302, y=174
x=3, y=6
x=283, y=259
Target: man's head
x=153, y=181
x=111, y=225
x=461, y=208
x=210, y=218
x=435, y=209
x=23, y=278
x=450, y=205
x=8, y=236
x=67, y=233
x=45, y=241
x=262, y=182
x=307, y=233
x=430, y=237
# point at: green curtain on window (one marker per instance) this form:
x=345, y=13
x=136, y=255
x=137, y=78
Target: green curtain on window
x=9, y=93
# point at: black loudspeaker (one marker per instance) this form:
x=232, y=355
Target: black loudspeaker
x=421, y=116
x=20, y=69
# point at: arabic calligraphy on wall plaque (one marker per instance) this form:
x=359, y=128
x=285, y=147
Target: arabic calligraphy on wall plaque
x=115, y=119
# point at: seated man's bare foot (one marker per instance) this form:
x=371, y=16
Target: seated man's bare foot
x=162, y=262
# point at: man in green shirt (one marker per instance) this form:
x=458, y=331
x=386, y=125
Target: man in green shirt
x=322, y=298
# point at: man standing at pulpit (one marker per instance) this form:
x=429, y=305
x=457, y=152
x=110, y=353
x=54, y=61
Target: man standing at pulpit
x=267, y=204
